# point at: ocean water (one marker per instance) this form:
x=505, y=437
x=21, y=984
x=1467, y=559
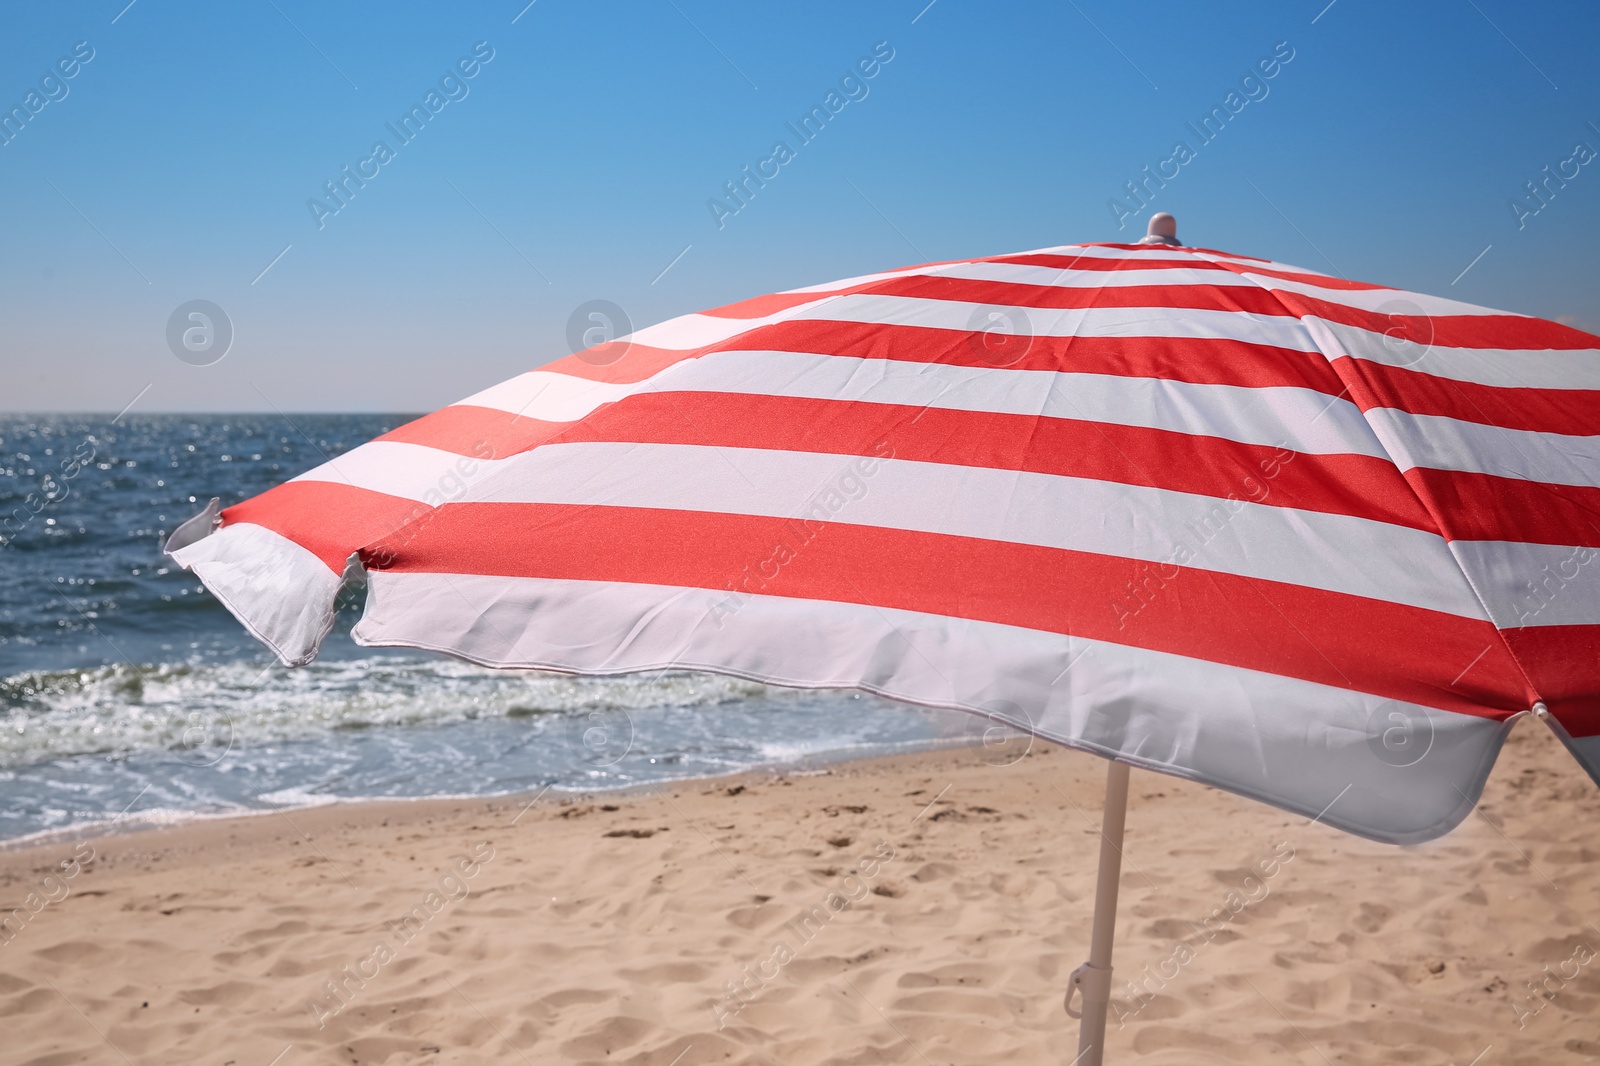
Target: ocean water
x=127, y=693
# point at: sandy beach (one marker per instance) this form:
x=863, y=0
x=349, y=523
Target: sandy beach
x=917, y=909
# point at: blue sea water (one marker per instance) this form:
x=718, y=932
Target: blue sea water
x=128, y=693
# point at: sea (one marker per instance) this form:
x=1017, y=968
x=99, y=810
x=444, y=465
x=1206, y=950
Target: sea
x=129, y=695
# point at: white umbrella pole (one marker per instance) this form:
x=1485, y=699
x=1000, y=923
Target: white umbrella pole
x=1092, y=980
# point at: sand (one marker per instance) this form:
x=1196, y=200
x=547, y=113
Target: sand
x=607, y=928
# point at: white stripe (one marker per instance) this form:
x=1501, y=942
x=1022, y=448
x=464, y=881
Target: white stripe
x=1282, y=331
x=1439, y=443
x=1385, y=301
x=1073, y=278
x=688, y=332
x=1338, y=553
x=1302, y=420
x=1534, y=584
x=1534, y=368
x=1503, y=368
x=1381, y=300
x=1389, y=301
x=279, y=591
x=549, y=396
x=1161, y=252
x=940, y=269
x=410, y=471
x=1291, y=743
x=1524, y=584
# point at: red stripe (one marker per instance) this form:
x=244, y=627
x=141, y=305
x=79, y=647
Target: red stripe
x=1333, y=639
x=1495, y=330
x=1060, y=261
x=1568, y=411
x=1357, y=485
x=1180, y=249
x=329, y=520
x=772, y=303
x=620, y=362
x=484, y=432
x=1212, y=361
x=1470, y=506
x=1561, y=660
x=1450, y=331
x=1197, y=250
x=334, y=520
x=1250, y=299
x=1446, y=331
x=1201, y=361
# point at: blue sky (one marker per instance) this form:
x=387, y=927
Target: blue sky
x=578, y=163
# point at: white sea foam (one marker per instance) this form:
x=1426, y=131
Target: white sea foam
x=121, y=708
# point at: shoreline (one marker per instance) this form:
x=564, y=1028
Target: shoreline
x=924, y=905
x=167, y=817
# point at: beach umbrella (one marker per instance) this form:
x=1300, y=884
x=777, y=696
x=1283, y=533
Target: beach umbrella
x=1310, y=540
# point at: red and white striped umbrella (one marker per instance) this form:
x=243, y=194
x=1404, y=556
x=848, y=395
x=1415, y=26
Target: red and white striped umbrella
x=1307, y=539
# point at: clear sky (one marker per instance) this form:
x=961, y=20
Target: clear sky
x=577, y=164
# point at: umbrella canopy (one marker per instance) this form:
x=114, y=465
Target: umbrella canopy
x=1310, y=540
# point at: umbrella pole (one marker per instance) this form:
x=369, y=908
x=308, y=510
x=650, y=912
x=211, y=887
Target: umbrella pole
x=1092, y=980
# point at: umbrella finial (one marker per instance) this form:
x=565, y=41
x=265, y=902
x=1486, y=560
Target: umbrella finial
x=1163, y=230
